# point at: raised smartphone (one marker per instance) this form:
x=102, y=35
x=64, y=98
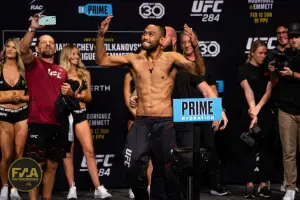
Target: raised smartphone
x=47, y=20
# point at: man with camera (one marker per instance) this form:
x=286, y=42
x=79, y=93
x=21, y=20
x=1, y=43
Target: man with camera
x=287, y=100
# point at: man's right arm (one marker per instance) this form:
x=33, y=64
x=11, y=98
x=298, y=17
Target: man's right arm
x=101, y=58
x=26, y=53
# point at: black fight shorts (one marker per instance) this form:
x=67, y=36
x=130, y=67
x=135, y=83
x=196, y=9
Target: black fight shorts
x=14, y=115
x=44, y=142
x=150, y=136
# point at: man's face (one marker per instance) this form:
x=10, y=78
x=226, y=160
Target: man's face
x=151, y=38
x=186, y=45
x=294, y=41
x=282, y=35
x=46, y=47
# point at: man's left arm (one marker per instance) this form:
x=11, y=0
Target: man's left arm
x=208, y=92
x=197, y=67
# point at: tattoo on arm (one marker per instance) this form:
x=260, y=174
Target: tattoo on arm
x=187, y=65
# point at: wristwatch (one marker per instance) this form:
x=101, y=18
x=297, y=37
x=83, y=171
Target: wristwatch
x=31, y=30
x=223, y=109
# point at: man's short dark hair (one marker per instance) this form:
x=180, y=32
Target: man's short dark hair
x=282, y=25
x=39, y=39
x=162, y=29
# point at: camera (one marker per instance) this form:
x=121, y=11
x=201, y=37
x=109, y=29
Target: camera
x=285, y=58
x=250, y=136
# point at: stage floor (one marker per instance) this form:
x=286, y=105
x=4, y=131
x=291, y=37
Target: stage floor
x=122, y=194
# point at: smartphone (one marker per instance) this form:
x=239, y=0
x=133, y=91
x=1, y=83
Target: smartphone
x=47, y=20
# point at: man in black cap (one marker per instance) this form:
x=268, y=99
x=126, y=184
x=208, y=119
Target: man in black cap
x=288, y=102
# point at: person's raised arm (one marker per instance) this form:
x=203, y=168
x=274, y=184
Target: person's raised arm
x=101, y=57
x=26, y=53
x=198, y=66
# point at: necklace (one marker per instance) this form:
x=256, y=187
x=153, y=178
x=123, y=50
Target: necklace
x=151, y=69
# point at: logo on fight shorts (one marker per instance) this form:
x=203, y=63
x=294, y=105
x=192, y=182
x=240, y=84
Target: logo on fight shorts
x=128, y=153
x=33, y=136
x=3, y=114
x=25, y=174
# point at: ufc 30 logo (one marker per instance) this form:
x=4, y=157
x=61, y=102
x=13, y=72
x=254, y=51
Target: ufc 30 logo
x=208, y=10
x=209, y=48
x=270, y=41
x=152, y=10
x=54, y=73
x=128, y=153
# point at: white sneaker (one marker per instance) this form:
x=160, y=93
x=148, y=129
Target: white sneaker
x=101, y=193
x=72, y=192
x=4, y=192
x=289, y=195
x=131, y=195
x=14, y=195
x=148, y=189
x=283, y=188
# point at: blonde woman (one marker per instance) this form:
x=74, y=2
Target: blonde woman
x=13, y=111
x=256, y=109
x=70, y=59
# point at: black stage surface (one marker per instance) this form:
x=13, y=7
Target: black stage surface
x=122, y=194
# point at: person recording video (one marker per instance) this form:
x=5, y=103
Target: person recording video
x=256, y=114
x=287, y=100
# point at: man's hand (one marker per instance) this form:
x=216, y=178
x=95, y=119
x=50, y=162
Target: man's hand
x=193, y=37
x=66, y=89
x=225, y=121
x=215, y=125
x=104, y=25
x=35, y=22
x=286, y=72
x=133, y=101
x=271, y=66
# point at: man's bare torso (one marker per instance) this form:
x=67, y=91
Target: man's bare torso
x=154, y=89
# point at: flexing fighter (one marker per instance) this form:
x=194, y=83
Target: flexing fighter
x=13, y=111
x=70, y=60
x=185, y=87
x=152, y=134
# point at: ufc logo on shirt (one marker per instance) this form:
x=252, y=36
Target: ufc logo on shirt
x=54, y=73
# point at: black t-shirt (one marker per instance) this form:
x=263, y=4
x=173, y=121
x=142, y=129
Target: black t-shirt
x=186, y=87
x=287, y=95
x=257, y=79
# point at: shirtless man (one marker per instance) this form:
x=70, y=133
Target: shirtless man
x=152, y=134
